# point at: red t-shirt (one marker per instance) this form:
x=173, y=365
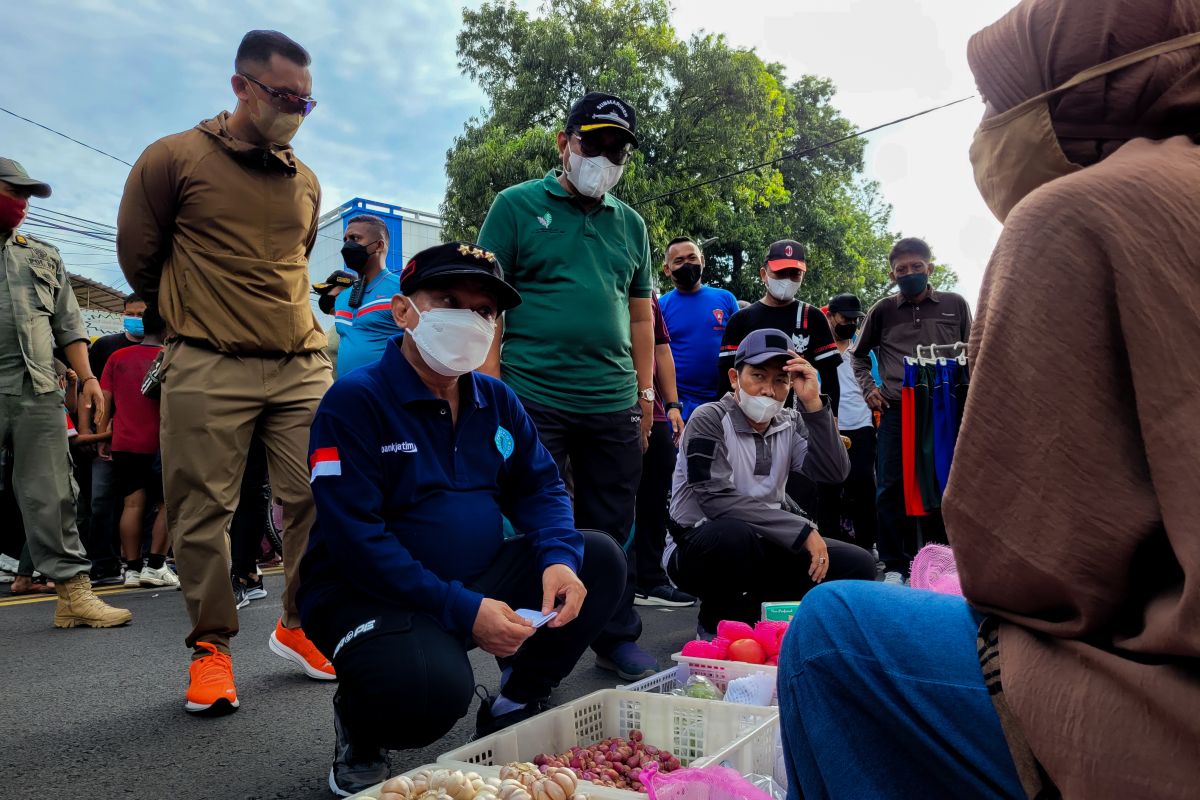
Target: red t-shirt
x=135, y=419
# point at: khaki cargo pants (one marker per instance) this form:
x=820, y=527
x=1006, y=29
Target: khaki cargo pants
x=211, y=403
x=35, y=426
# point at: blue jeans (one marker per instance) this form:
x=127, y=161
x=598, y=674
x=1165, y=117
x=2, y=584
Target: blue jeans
x=881, y=695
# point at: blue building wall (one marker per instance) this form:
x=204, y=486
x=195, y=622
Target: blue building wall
x=391, y=217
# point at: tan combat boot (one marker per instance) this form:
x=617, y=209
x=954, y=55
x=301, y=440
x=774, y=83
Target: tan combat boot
x=78, y=605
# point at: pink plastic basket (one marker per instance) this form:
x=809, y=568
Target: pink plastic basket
x=934, y=569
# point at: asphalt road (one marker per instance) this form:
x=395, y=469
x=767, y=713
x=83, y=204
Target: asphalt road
x=99, y=713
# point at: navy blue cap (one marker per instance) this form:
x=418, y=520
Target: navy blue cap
x=596, y=110
x=763, y=345
x=464, y=259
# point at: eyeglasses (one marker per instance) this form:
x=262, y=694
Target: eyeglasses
x=593, y=144
x=292, y=103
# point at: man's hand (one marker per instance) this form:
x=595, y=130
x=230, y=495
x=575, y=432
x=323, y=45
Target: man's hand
x=647, y=423
x=875, y=400
x=816, y=548
x=498, y=630
x=93, y=399
x=805, y=383
x=559, y=580
x=675, y=417
x=104, y=451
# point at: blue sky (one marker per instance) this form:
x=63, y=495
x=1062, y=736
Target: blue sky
x=119, y=75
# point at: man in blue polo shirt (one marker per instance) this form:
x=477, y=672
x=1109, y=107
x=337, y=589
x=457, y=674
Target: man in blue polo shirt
x=696, y=316
x=415, y=461
x=363, y=313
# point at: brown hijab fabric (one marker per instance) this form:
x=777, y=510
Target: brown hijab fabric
x=1042, y=44
x=1074, y=502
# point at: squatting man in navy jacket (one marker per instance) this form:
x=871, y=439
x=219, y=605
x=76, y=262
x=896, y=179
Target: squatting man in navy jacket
x=415, y=462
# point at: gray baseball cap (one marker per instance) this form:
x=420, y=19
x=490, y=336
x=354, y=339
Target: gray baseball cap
x=761, y=346
x=13, y=173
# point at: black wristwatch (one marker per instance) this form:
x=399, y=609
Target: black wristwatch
x=674, y=407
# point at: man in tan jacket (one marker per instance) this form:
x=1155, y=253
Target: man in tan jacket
x=215, y=229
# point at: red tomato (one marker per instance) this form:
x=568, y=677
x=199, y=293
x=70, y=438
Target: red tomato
x=747, y=650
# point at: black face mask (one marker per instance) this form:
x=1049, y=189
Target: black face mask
x=325, y=303
x=355, y=255
x=845, y=332
x=686, y=276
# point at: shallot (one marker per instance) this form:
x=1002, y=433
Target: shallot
x=615, y=762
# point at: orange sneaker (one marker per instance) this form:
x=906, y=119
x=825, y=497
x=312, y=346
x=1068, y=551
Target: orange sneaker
x=211, y=689
x=292, y=644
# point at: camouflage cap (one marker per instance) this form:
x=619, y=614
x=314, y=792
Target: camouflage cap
x=13, y=173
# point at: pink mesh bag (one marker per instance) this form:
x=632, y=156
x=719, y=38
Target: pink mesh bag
x=934, y=569
x=706, y=783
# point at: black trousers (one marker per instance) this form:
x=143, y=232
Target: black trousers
x=404, y=681
x=103, y=513
x=650, y=530
x=605, y=453
x=734, y=571
x=855, y=497
x=249, y=520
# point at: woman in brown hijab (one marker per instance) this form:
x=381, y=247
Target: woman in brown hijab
x=1074, y=500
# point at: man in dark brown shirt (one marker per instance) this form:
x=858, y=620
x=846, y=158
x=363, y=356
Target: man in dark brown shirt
x=916, y=315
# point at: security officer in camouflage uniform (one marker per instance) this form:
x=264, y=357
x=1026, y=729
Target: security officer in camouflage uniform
x=38, y=312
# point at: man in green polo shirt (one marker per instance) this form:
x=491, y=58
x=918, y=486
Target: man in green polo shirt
x=579, y=350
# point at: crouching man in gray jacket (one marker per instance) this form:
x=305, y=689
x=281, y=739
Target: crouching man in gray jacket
x=733, y=541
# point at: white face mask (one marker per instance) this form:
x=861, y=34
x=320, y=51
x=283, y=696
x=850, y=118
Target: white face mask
x=758, y=408
x=781, y=290
x=593, y=176
x=452, y=341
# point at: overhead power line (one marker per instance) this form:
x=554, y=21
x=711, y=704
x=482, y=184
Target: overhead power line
x=799, y=153
x=46, y=222
x=44, y=210
x=65, y=136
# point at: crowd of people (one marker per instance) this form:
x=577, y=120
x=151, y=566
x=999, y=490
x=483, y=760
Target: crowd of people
x=522, y=442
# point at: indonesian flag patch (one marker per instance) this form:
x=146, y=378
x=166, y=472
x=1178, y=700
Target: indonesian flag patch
x=324, y=461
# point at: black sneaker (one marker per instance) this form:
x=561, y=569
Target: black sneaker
x=354, y=768
x=665, y=595
x=486, y=724
x=107, y=578
x=240, y=600
x=255, y=589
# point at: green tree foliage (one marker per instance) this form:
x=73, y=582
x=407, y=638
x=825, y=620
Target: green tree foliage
x=705, y=109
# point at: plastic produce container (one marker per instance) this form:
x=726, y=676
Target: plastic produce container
x=722, y=672
x=697, y=732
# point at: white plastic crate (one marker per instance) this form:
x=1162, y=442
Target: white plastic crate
x=696, y=731
x=753, y=754
x=663, y=682
x=722, y=672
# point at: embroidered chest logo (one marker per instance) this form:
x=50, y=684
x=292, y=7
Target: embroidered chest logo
x=719, y=316
x=545, y=220
x=504, y=442
x=399, y=447
x=800, y=342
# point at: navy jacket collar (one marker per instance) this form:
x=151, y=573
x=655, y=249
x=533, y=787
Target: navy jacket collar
x=406, y=385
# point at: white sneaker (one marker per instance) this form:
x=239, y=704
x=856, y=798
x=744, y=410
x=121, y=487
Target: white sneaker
x=158, y=577
x=894, y=578
x=8, y=564
x=133, y=579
